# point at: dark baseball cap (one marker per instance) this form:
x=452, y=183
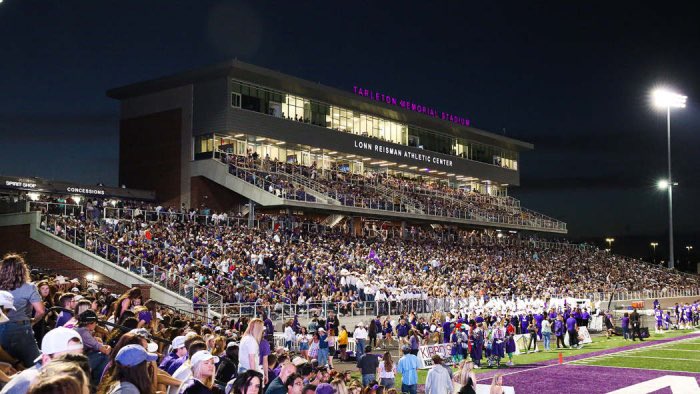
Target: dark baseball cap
x=89, y=316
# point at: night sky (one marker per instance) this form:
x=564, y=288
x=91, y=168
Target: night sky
x=572, y=79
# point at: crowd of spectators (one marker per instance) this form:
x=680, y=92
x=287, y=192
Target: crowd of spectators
x=382, y=191
x=279, y=266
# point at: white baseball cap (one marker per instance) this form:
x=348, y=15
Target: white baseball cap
x=179, y=342
x=203, y=355
x=7, y=300
x=61, y=339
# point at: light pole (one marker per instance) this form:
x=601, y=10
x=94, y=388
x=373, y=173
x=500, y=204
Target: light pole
x=653, y=255
x=688, y=248
x=665, y=99
x=610, y=241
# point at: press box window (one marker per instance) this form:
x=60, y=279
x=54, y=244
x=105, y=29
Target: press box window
x=236, y=100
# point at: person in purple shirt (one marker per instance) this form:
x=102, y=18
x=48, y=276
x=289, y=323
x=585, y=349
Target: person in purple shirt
x=538, y=323
x=559, y=331
x=572, y=327
x=178, y=352
x=67, y=302
x=585, y=317
x=446, y=331
x=523, y=324
x=402, y=331
x=626, y=326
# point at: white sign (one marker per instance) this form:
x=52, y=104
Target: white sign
x=583, y=334
x=486, y=389
x=677, y=384
x=425, y=354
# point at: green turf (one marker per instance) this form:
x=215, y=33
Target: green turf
x=644, y=363
x=663, y=353
x=599, y=343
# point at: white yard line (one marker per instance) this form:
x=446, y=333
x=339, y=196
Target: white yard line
x=660, y=358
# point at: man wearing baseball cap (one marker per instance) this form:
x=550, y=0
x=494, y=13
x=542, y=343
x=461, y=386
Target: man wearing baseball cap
x=96, y=352
x=177, y=356
x=56, y=342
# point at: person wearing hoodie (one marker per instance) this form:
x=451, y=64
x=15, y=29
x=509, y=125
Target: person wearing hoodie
x=439, y=380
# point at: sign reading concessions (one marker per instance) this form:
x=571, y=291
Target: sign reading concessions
x=426, y=353
x=39, y=185
x=407, y=104
x=398, y=152
x=85, y=190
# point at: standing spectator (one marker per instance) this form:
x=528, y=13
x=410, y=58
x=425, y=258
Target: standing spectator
x=16, y=335
x=372, y=332
x=439, y=379
x=360, y=336
x=323, y=350
x=572, y=329
x=249, y=349
x=368, y=364
x=408, y=368
x=635, y=321
x=625, y=326
x=57, y=342
x=559, y=331
x=288, y=335
x=546, y=334
x=387, y=371
x=343, y=344
x=532, y=330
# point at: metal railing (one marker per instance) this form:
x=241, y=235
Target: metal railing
x=97, y=245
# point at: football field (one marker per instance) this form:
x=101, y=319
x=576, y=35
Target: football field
x=670, y=363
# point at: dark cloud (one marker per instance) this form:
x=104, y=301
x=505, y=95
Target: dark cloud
x=35, y=128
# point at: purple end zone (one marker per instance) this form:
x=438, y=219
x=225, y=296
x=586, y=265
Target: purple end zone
x=569, y=378
x=548, y=377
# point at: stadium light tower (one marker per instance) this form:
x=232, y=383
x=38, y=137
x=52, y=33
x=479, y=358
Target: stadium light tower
x=653, y=255
x=666, y=99
x=610, y=241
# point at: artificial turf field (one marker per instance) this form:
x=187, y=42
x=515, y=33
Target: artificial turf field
x=606, y=366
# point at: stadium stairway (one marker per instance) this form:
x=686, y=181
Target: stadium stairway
x=20, y=232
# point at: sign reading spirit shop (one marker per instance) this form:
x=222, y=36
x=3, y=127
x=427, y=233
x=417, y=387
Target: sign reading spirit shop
x=406, y=104
x=407, y=154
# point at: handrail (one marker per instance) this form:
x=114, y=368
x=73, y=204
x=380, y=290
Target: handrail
x=95, y=244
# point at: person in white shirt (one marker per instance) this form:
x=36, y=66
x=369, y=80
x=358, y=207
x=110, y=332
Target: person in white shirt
x=288, y=335
x=360, y=337
x=249, y=350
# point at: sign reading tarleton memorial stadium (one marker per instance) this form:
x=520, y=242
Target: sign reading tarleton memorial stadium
x=389, y=150
x=411, y=106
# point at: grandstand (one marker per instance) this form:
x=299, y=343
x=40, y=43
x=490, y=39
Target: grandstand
x=263, y=195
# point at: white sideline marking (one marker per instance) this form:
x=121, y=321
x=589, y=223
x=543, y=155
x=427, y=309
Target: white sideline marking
x=661, y=358
x=677, y=384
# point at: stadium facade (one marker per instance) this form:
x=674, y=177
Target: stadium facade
x=168, y=125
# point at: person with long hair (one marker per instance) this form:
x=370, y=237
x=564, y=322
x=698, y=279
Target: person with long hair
x=47, y=382
x=16, y=335
x=228, y=368
x=386, y=372
x=42, y=327
x=465, y=378
x=125, y=302
x=249, y=382
x=303, y=338
x=203, y=370
x=497, y=384
x=131, y=374
x=249, y=348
